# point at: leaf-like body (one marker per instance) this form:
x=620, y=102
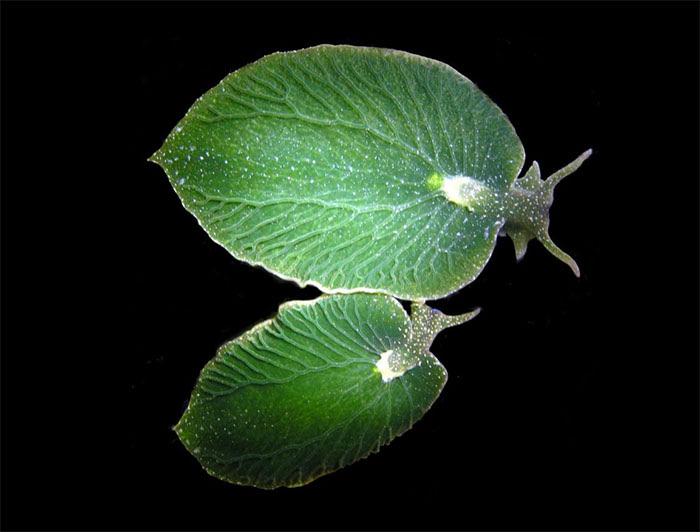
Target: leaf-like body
x=317, y=387
x=353, y=169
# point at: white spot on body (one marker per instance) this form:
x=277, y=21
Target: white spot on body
x=463, y=190
x=384, y=367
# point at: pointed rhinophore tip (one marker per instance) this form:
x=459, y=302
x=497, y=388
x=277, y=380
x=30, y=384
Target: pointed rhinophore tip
x=458, y=319
x=440, y=322
x=554, y=179
x=429, y=322
x=558, y=253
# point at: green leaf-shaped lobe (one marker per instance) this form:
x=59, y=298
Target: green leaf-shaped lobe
x=319, y=386
x=342, y=167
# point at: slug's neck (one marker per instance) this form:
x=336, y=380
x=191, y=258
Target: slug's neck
x=526, y=210
x=426, y=324
x=523, y=208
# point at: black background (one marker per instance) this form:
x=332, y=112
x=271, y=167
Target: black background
x=572, y=403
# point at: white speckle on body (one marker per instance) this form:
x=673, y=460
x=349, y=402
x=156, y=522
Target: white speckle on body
x=462, y=190
x=384, y=367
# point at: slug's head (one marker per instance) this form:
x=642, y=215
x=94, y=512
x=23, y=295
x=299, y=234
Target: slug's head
x=426, y=324
x=527, y=206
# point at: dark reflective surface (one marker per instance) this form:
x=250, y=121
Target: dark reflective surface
x=571, y=404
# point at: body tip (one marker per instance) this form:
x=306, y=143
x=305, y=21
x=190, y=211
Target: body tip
x=451, y=321
x=574, y=268
x=586, y=154
x=155, y=157
x=571, y=263
x=555, y=250
x=471, y=314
